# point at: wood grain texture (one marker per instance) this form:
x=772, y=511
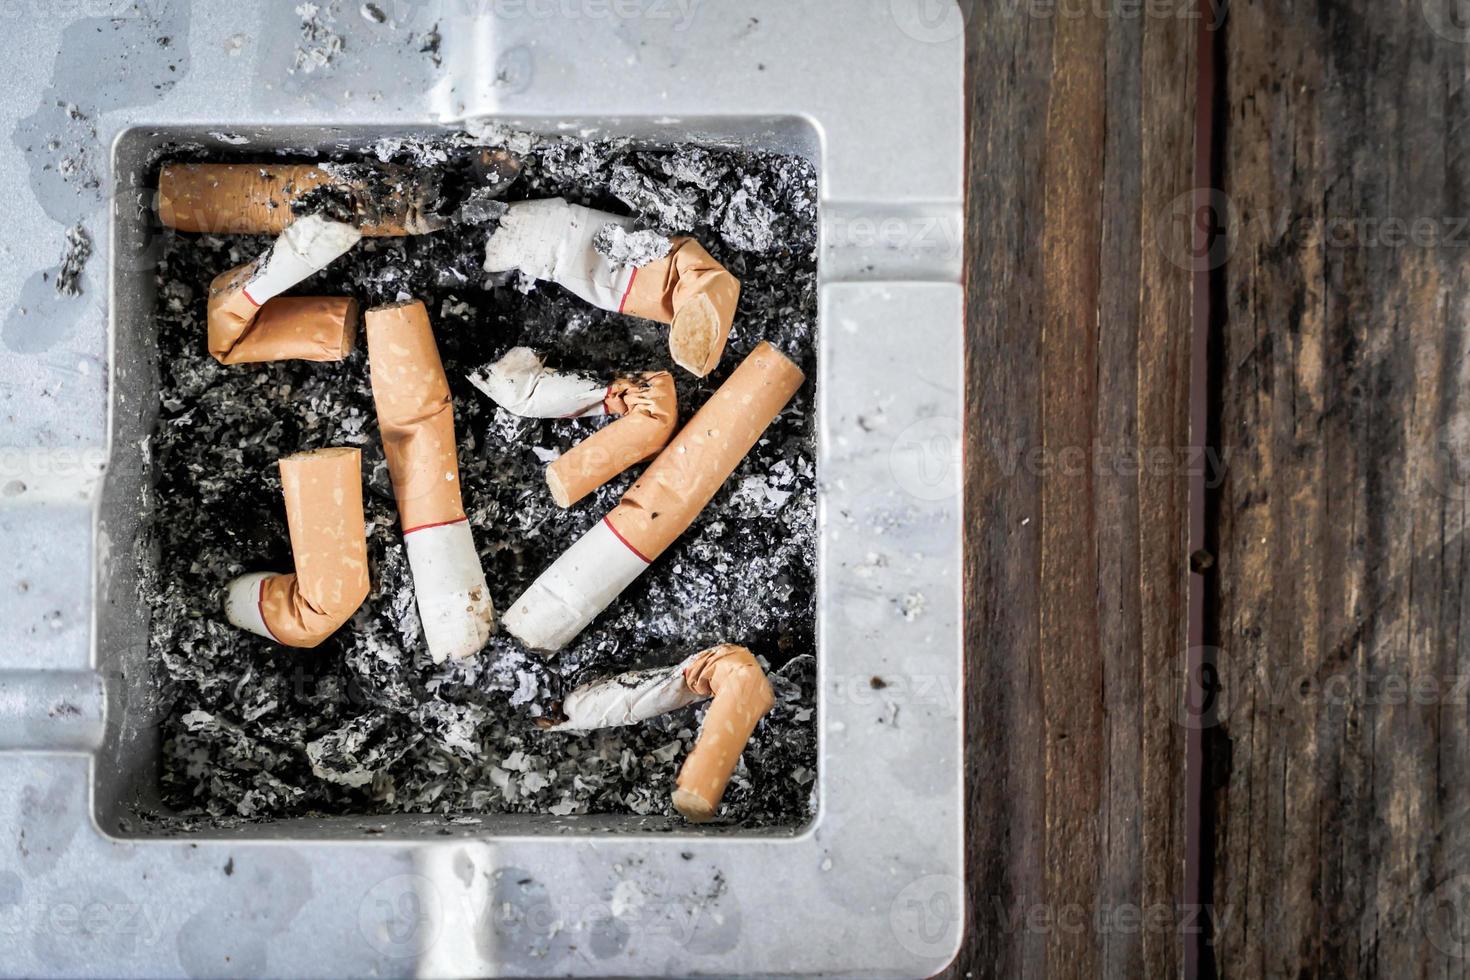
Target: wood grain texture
x=1342, y=844
x=1078, y=318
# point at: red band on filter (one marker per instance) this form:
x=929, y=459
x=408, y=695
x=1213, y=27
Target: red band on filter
x=425, y=527
x=644, y=558
x=631, y=279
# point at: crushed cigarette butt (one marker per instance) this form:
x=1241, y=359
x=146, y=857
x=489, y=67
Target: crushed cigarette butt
x=728, y=673
x=248, y=323
x=742, y=696
x=323, y=493
x=685, y=287
x=648, y=405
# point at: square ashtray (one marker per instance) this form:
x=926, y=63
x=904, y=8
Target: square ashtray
x=871, y=884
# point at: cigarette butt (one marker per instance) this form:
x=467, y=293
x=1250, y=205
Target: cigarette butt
x=742, y=696
x=520, y=382
x=248, y=324
x=659, y=507
x=553, y=240
x=416, y=419
x=691, y=291
x=323, y=494
x=258, y=199
x=649, y=406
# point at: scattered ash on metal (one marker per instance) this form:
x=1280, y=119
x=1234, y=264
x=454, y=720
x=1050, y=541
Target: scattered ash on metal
x=319, y=43
x=73, y=261
x=366, y=723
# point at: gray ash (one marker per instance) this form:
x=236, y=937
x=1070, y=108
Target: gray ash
x=366, y=723
x=635, y=248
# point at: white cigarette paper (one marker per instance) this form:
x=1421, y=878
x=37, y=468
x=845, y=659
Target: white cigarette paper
x=449, y=583
x=627, y=699
x=522, y=384
x=574, y=590
x=306, y=247
x=552, y=240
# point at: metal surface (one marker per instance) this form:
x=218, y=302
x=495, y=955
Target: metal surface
x=871, y=886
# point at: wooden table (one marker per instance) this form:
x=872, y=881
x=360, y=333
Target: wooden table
x=1334, y=820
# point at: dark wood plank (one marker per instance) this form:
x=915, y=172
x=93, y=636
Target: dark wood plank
x=1341, y=840
x=1078, y=323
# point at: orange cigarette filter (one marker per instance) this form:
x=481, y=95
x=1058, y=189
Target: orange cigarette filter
x=415, y=415
x=304, y=328
x=742, y=696
x=693, y=293
x=256, y=199
x=323, y=495
x=664, y=501
x=649, y=406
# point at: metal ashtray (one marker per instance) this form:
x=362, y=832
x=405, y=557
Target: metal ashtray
x=872, y=885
